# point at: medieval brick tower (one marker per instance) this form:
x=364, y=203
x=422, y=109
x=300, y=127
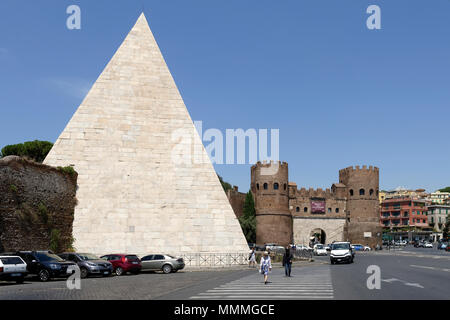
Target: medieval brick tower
x=346, y=212
x=362, y=204
x=269, y=185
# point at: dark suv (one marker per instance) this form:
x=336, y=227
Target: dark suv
x=46, y=264
x=89, y=264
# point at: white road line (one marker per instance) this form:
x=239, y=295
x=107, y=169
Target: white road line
x=430, y=268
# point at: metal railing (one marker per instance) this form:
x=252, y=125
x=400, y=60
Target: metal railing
x=214, y=260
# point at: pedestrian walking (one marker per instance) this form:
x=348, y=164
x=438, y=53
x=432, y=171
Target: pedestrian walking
x=252, y=258
x=265, y=266
x=287, y=262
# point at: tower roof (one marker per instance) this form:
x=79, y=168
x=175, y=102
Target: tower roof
x=146, y=183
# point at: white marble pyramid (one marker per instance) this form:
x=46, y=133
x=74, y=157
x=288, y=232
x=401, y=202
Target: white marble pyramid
x=129, y=141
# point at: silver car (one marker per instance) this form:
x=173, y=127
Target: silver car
x=162, y=262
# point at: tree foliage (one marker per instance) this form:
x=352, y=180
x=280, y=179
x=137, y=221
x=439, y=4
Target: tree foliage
x=446, y=228
x=35, y=150
x=248, y=218
x=445, y=189
x=225, y=185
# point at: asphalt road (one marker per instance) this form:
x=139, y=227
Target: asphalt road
x=411, y=273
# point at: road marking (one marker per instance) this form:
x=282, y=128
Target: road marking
x=310, y=284
x=404, y=282
x=430, y=268
x=390, y=280
x=413, y=285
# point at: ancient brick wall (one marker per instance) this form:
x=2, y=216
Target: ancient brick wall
x=36, y=205
x=237, y=200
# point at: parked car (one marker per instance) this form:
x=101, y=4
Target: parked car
x=46, y=264
x=328, y=247
x=442, y=246
x=303, y=247
x=124, y=263
x=89, y=264
x=367, y=248
x=428, y=245
x=341, y=252
x=162, y=262
x=12, y=268
x=319, y=250
x=357, y=247
x=260, y=247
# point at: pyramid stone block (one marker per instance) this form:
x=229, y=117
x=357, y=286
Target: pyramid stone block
x=125, y=141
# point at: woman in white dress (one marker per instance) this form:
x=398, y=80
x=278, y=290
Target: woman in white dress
x=252, y=258
x=265, y=266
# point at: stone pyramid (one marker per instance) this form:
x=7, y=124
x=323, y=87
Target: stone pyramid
x=130, y=141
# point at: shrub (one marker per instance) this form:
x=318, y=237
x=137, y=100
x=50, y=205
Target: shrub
x=55, y=240
x=68, y=170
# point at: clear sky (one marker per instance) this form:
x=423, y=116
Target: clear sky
x=340, y=94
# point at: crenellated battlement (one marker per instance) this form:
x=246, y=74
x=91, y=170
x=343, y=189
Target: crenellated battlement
x=311, y=193
x=359, y=169
x=266, y=164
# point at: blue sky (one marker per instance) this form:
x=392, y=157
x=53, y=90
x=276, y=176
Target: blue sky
x=340, y=94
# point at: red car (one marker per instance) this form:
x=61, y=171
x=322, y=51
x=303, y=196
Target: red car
x=123, y=263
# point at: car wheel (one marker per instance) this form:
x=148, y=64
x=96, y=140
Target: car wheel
x=20, y=280
x=44, y=275
x=167, y=268
x=84, y=273
x=119, y=271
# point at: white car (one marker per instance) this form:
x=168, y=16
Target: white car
x=302, y=247
x=341, y=252
x=12, y=268
x=319, y=250
x=428, y=245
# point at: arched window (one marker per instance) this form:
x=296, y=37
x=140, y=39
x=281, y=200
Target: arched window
x=351, y=192
x=285, y=186
x=257, y=186
x=305, y=209
x=337, y=210
x=329, y=210
x=371, y=191
x=361, y=192
x=297, y=209
x=275, y=186
x=265, y=186
x=377, y=192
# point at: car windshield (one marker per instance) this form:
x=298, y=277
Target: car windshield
x=88, y=256
x=341, y=246
x=44, y=256
x=319, y=246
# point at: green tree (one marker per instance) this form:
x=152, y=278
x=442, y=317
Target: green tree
x=248, y=218
x=225, y=185
x=35, y=150
x=445, y=189
x=446, y=228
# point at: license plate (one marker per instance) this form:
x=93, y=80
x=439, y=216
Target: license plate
x=339, y=259
x=135, y=263
x=106, y=272
x=16, y=274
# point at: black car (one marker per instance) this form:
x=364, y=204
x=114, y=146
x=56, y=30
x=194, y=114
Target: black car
x=46, y=264
x=89, y=264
